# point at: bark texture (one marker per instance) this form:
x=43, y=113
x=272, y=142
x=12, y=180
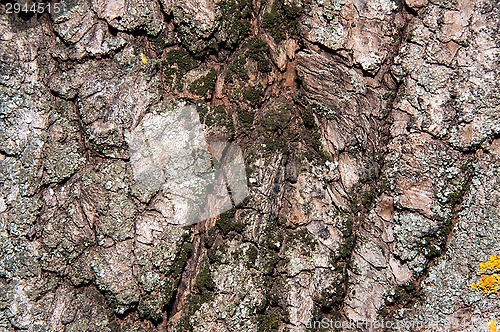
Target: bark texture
x=371, y=137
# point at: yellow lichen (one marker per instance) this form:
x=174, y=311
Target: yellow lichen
x=488, y=284
x=492, y=326
x=144, y=59
x=492, y=265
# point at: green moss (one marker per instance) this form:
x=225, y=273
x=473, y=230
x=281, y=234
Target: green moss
x=203, y=292
x=314, y=148
x=432, y=251
x=362, y=196
x=347, y=227
x=182, y=59
x=227, y=223
x=410, y=287
x=272, y=312
x=159, y=42
x=308, y=119
x=388, y=97
x=467, y=168
x=264, y=65
x=454, y=200
x=251, y=254
x=253, y=95
x=237, y=68
x=456, y=197
x=234, y=21
x=348, y=247
x=258, y=50
x=448, y=4
x=274, y=127
x=216, y=254
x=181, y=259
x=281, y=20
x=176, y=64
x=304, y=237
x=384, y=185
x=294, y=10
x=204, y=86
x=318, y=314
x=268, y=259
x=210, y=238
x=270, y=321
x=204, y=281
x=217, y=117
x=272, y=22
x=431, y=244
x=367, y=198
x=332, y=297
x=445, y=230
x=269, y=246
x=401, y=296
x=278, y=118
x=245, y=118
x=193, y=304
x=254, y=49
x=271, y=235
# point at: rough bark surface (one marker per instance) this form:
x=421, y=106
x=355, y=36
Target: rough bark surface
x=371, y=137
